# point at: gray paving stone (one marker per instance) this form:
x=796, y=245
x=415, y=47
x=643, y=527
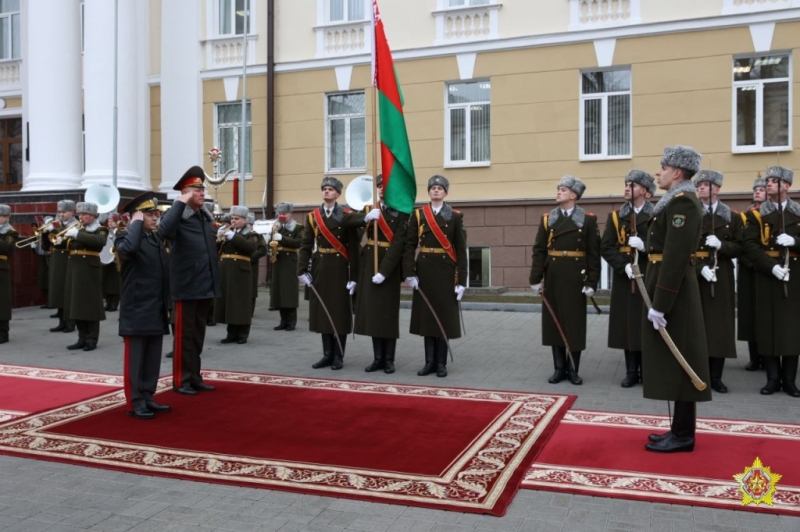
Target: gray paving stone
x=118, y=523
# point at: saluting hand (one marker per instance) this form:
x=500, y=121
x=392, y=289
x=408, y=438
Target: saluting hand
x=184, y=198
x=138, y=216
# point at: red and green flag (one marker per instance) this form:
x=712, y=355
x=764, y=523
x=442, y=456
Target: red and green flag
x=399, y=181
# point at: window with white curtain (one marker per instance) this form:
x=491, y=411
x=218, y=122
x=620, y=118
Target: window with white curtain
x=228, y=132
x=9, y=29
x=762, y=103
x=605, y=114
x=468, y=123
x=466, y=3
x=346, y=138
x=230, y=15
x=346, y=10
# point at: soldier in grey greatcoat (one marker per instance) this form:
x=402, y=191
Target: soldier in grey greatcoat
x=8, y=244
x=671, y=282
x=283, y=248
x=59, y=256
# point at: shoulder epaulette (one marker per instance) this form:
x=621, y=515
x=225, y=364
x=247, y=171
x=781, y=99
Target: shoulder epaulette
x=348, y=211
x=590, y=214
x=459, y=212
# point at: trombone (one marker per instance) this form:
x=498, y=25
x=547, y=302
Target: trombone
x=56, y=236
x=37, y=234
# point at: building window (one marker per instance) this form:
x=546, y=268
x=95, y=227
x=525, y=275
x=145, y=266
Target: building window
x=468, y=124
x=10, y=154
x=606, y=114
x=467, y=3
x=761, y=103
x=479, y=267
x=229, y=120
x=346, y=10
x=346, y=137
x=230, y=14
x=9, y=29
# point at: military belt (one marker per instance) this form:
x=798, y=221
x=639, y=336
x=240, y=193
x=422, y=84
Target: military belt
x=565, y=253
x=432, y=250
x=658, y=257
x=777, y=254
x=327, y=250
x=234, y=257
x=702, y=254
x=288, y=250
x=380, y=244
x=625, y=249
x=85, y=253
x=3, y=257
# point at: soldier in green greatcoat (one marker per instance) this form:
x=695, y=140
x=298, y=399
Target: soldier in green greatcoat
x=255, y=258
x=59, y=256
x=8, y=242
x=234, y=306
x=671, y=282
x=83, y=301
x=283, y=248
x=746, y=307
x=566, y=269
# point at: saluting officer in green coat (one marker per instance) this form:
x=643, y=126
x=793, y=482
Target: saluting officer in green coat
x=721, y=243
x=747, y=306
x=83, y=301
x=772, y=243
x=671, y=282
x=59, y=257
x=566, y=259
x=284, y=245
x=255, y=258
x=8, y=243
x=621, y=240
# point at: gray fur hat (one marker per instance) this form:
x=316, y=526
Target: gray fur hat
x=683, y=157
x=709, y=176
x=572, y=183
x=330, y=181
x=66, y=205
x=5, y=210
x=779, y=172
x=284, y=207
x=652, y=188
x=437, y=180
x=240, y=211
x=640, y=177
x=759, y=182
x=251, y=219
x=84, y=207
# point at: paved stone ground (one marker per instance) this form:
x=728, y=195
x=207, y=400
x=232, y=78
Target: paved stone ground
x=502, y=350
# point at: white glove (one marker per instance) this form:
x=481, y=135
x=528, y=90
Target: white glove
x=713, y=242
x=378, y=278
x=588, y=291
x=72, y=233
x=536, y=288
x=708, y=274
x=351, y=287
x=372, y=215
x=221, y=230
x=277, y=237
x=229, y=234
x=413, y=282
x=459, y=292
x=34, y=245
x=59, y=240
x=629, y=271
x=780, y=273
x=305, y=279
x=657, y=318
x=785, y=240
x=636, y=243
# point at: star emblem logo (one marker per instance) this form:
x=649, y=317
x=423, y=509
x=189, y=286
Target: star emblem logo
x=757, y=484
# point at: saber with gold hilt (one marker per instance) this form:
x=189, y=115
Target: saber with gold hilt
x=637, y=274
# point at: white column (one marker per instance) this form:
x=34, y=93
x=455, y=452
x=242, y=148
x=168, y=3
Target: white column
x=181, y=91
x=52, y=94
x=98, y=88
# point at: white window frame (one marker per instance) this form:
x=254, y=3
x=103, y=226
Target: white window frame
x=448, y=163
x=348, y=169
x=759, y=147
x=9, y=15
x=237, y=131
x=214, y=16
x=326, y=6
x=603, y=156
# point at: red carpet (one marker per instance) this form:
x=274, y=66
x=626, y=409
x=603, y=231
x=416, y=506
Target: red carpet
x=446, y=448
x=25, y=390
x=602, y=454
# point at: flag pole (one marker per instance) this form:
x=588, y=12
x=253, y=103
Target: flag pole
x=374, y=141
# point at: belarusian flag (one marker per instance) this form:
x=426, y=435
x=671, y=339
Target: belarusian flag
x=399, y=182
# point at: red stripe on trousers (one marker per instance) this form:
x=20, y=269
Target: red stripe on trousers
x=127, y=373
x=177, y=347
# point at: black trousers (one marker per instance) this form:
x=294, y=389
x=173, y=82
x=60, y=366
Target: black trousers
x=288, y=316
x=4, y=326
x=684, y=419
x=142, y=368
x=190, y=334
x=88, y=331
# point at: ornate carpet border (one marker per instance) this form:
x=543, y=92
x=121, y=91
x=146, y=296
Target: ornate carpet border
x=60, y=375
x=8, y=415
x=480, y=482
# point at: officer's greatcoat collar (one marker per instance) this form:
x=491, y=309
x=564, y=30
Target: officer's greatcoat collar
x=5, y=228
x=337, y=213
x=290, y=225
x=245, y=231
x=188, y=212
x=446, y=212
x=92, y=227
x=768, y=207
x=684, y=186
x=578, y=216
x=722, y=210
x=646, y=212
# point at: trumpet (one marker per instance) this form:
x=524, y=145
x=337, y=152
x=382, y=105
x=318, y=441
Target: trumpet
x=221, y=233
x=273, y=244
x=54, y=237
x=37, y=233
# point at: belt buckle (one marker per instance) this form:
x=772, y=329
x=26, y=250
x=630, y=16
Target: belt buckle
x=564, y=253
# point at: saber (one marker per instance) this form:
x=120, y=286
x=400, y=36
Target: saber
x=335, y=332
x=438, y=322
x=558, y=326
x=591, y=298
x=696, y=381
x=461, y=314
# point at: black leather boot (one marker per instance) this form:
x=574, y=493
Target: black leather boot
x=282, y=325
x=756, y=361
x=430, y=357
x=572, y=373
x=377, y=351
x=560, y=364
x=389, y=345
x=69, y=326
x=338, y=355
x=441, y=357
x=681, y=437
x=788, y=375
x=773, y=366
x=631, y=370
x=80, y=344
x=715, y=366
x=327, y=352
x=291, y=319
